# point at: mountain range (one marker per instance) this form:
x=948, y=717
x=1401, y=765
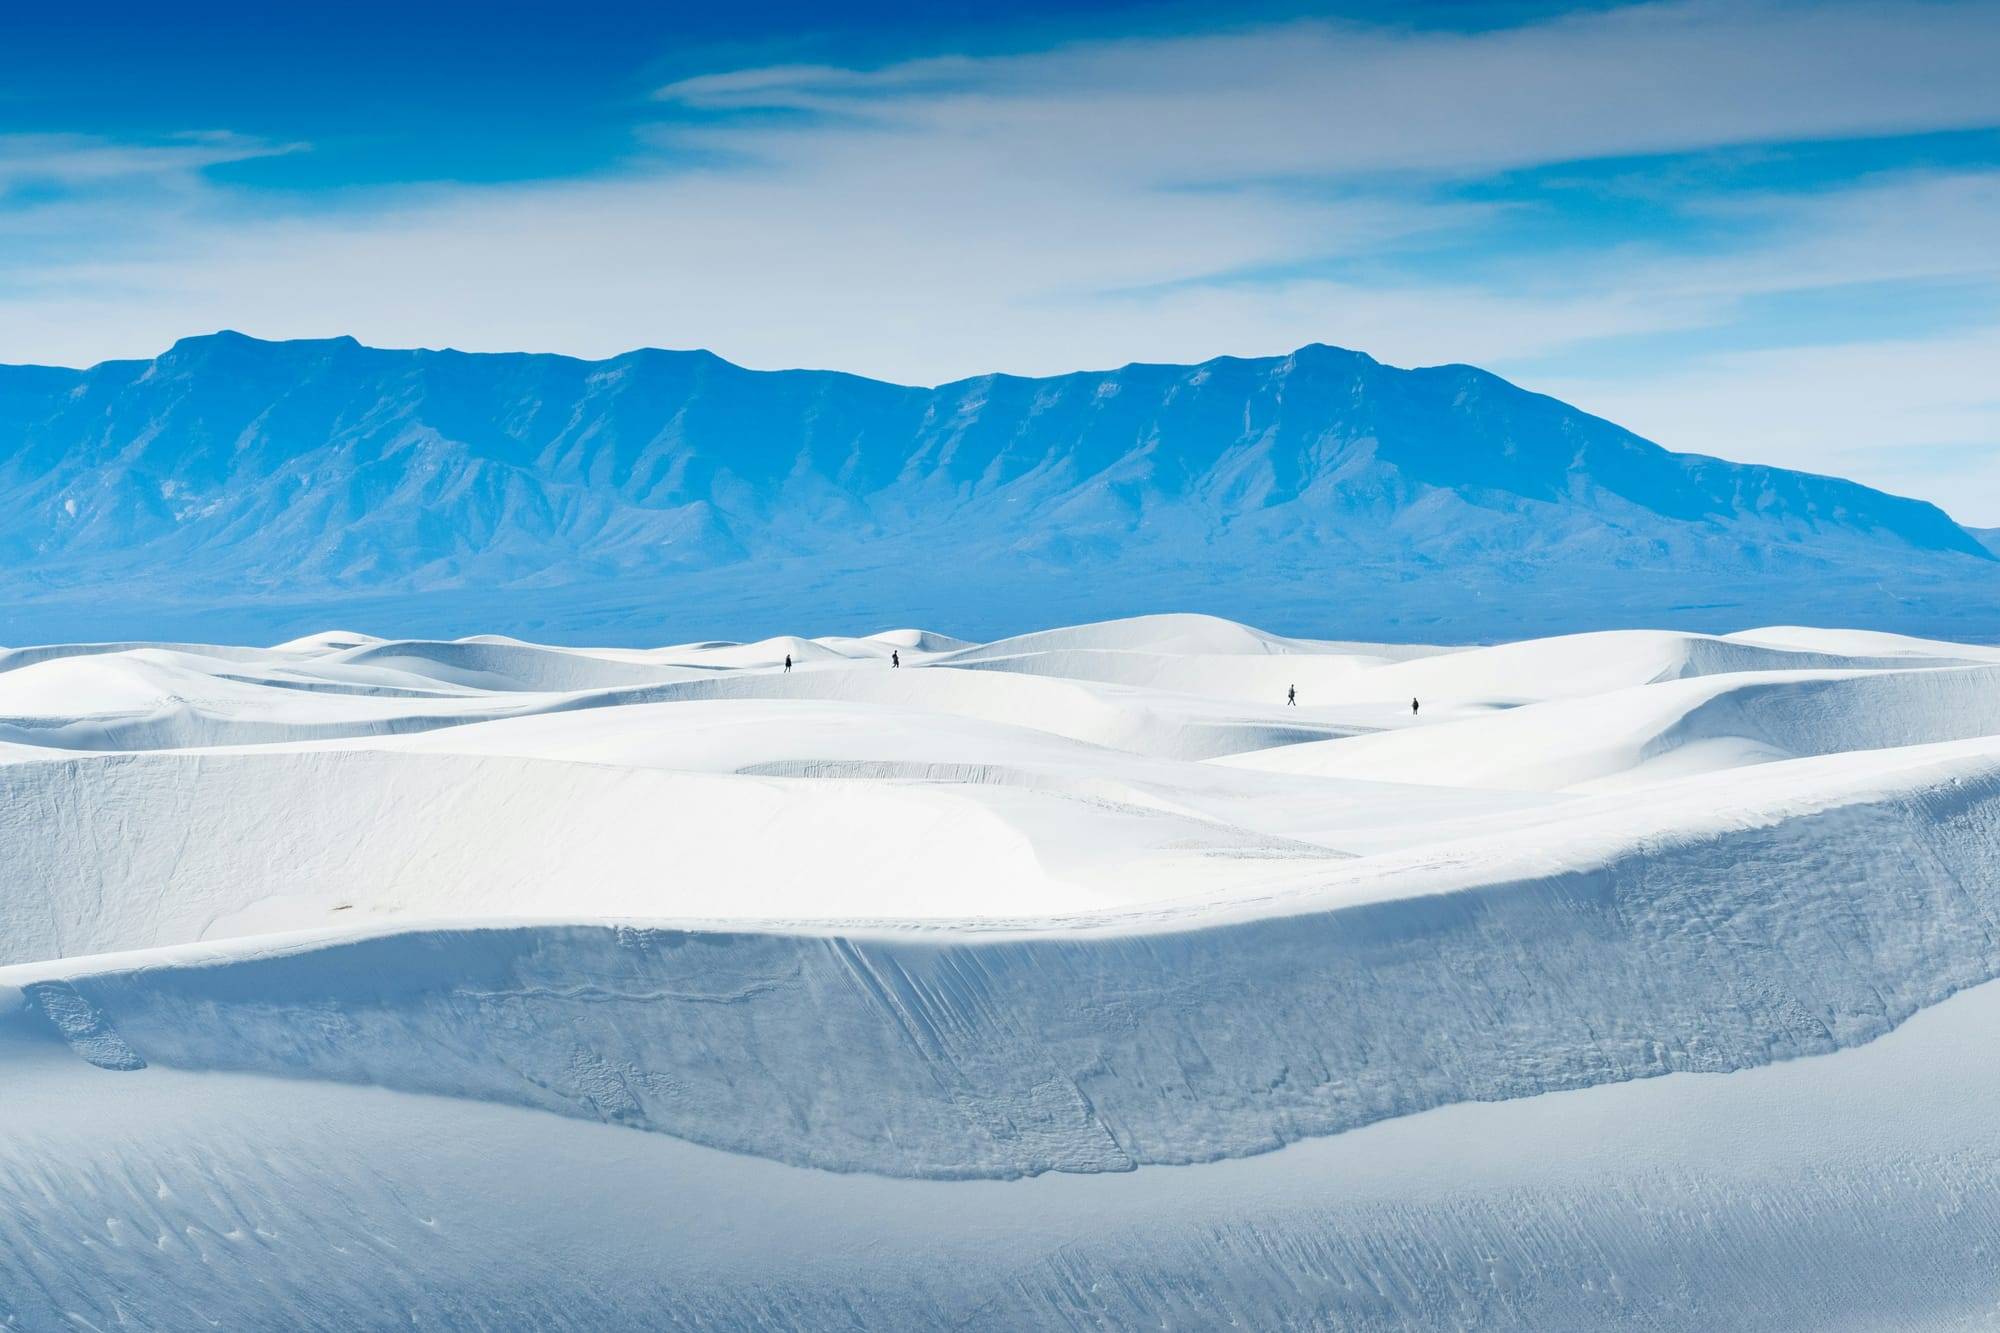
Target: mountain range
x=235, y=488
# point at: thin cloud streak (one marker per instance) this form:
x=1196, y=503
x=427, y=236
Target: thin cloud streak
x=1335, y=98
x=1913, y=416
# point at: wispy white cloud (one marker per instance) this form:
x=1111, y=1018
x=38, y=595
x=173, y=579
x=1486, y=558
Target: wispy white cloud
x=69, y=199
x=1318, y=97
x=1916, y=416
x=829, y=87
x=73, y=160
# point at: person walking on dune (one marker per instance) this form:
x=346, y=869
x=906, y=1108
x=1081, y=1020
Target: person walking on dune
x=1413, y=708
x=895, y=658
x=788, y=663
x=1292, y=695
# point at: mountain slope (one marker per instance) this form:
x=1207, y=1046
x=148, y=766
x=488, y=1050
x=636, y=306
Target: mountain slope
x=278, y=484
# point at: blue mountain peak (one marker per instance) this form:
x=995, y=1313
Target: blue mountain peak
x=1321, y=490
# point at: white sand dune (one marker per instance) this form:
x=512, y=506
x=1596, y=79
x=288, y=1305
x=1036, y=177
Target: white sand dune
x=1633, y=737
x=1182, y=635
x=1862, y=643
x=1798, y=1195
x=1084, y=980
x=499, y=666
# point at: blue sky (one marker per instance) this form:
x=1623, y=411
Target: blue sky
x=1760, y=229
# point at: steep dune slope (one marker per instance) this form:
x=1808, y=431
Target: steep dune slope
x=1803, y=1194
x=1559, y=956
